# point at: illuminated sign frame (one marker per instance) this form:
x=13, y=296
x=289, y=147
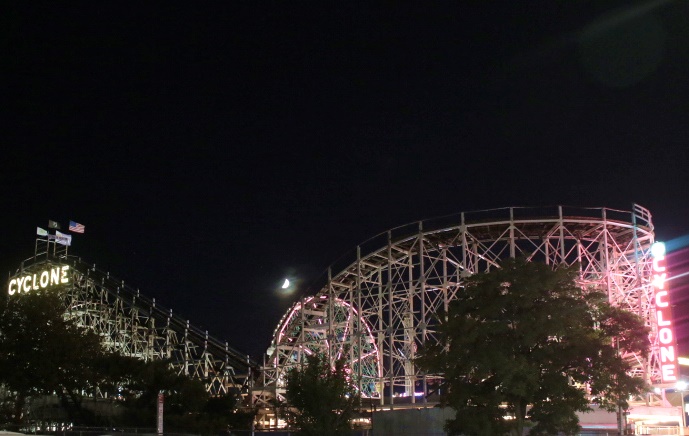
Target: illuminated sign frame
x=33, y=282
x=669, y=369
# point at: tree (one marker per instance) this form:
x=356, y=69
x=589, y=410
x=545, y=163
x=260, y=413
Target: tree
x=525, y=337
x=322, y=396
x=188, y=406
x=44, y=352
x=139, y=383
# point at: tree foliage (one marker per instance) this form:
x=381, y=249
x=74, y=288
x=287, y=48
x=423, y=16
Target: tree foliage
x=525, y=341
x=45, y=352
x=187, y=405
x=321, y=397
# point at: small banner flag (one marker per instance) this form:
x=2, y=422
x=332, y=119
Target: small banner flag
x=41, y=232
x=63, y=239
x=53, y=224
x=76, y=227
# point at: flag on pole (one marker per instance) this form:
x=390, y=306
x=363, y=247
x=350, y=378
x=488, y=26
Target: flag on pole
x=41, y=232
x=63, y=239
x=76, y=227
x=53, y=224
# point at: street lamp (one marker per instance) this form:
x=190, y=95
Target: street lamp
x=681, y=386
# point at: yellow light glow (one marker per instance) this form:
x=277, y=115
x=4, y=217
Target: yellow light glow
x=55, y=276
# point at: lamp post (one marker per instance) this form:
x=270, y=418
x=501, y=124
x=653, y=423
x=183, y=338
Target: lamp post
x=681, y=387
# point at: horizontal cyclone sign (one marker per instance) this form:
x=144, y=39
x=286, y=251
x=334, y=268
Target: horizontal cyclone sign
x=40, y=280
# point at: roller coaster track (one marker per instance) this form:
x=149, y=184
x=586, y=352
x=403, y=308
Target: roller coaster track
x=378, y=304
x=136, y=325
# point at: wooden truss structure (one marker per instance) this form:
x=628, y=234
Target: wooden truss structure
x=379, y=305
x=135, y=325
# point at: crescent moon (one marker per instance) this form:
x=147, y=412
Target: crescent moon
x=286, y=284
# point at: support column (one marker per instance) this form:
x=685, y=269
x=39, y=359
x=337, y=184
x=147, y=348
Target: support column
x=410, y=328
x=512, y=241
x=331, y=334
x=562, y=235
x=380, y=339
x=391, y=337
x=424, y=306
x=359, y=316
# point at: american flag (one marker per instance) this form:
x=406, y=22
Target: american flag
x=76, y=227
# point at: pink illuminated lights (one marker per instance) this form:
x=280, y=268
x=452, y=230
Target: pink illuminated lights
x=319, y=301
x=666, y=337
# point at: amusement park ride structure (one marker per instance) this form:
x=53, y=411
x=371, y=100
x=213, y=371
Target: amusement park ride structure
x=131, y=323
x=380, y=306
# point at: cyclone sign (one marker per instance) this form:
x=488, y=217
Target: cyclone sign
x=41, y=280
x=666, y=337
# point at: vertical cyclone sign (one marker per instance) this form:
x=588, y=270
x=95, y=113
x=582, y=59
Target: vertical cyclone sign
x=666, y=334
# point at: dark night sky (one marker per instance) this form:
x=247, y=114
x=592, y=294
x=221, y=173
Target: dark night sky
x=213, y=149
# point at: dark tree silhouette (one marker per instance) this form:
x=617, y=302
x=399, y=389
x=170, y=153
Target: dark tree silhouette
x=321, y=399
x=44, y=352
x=527, y=337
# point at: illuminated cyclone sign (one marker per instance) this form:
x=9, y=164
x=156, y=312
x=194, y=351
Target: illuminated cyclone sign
x=41, y=280
x=666, y=337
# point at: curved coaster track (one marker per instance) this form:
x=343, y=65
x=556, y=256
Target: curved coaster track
x=378, y=305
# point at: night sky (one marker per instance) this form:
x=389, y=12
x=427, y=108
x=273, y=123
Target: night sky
x=213, y=149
